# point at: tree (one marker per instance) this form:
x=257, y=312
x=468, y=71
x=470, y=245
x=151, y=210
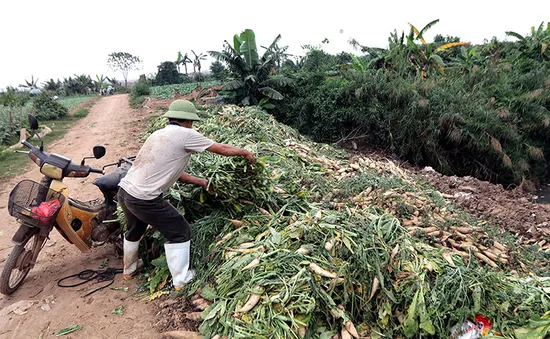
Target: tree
x=100, y=80
x=183, y=59
x=52, y=85
x=253, y=78
x=218, y=70
x=167, y=74
x=30, y=84
x=197, y=64
x=124, y=62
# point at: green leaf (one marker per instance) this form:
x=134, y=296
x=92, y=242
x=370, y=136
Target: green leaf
x=426, y=28
x=104, y=264
x=118, y=310
x=271, y=93
x=233, y=85
x=209, y=292
x=248, y=48
x=278, y=80
x=410, y=327
x=237, y=43
x=275, y=236
x=69, y=329
x=515, y=35
x=438, y=59
x=160, y=262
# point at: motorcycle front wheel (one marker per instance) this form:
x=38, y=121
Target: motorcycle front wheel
x=19, y=263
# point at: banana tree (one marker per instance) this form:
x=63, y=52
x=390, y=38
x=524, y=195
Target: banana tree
x=32, y=84
x=183, y=59
x=253, y=78
x=197, y=64
x=535, y=45
x=423, y=56
x=100, y=79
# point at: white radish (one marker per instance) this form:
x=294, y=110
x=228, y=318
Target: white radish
x=237, y=223
x=246, y=245
x=252, y=264
x=303, y=251
x=329, y=245
x=345, y=334
x=375, y=285
x=322, y=272
x=448, y=258
x=183, y=335
x=351, y=329
x=302, y=332
x=253, y=299
x=196, y=316
x=200, y=304
x=225, y=237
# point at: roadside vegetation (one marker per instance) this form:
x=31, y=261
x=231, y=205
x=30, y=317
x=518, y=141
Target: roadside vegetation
x=12, y=164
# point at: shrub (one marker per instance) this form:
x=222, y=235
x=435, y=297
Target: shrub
x=138, y=93
x=47, y=109
x=492, y=126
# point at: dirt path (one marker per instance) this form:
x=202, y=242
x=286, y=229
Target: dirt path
x=112, y=123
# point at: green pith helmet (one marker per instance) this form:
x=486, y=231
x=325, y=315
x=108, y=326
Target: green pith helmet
x=182, y=110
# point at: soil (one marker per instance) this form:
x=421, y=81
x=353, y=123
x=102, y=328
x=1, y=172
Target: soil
x=112, y=123
x=513, y=210
x=170, y=315
x=516, y=210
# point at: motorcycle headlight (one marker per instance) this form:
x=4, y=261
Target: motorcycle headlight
x=52, y=171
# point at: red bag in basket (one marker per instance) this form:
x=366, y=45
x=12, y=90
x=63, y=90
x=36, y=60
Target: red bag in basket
x=45, y=211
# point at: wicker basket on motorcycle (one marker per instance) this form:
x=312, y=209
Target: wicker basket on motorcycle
x=35, y=204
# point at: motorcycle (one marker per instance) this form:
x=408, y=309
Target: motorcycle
x=41, y=206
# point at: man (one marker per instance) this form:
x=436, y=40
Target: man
x=158, y=165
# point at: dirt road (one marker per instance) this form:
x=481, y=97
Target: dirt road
x=112, y=123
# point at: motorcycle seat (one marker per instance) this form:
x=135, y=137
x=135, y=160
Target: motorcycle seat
x=109, y=182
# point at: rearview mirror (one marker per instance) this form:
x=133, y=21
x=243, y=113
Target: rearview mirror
x=33, y=122
x=99, y=152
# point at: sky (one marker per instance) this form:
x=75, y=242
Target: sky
x=57, y=39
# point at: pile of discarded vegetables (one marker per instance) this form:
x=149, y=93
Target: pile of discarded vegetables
x=309, y=243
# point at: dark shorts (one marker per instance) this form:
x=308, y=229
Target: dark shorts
x=158, y=213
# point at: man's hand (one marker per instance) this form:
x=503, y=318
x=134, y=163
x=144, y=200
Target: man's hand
x=230, y=151
x=204, y=185
x=248, y=156
x=189, y=179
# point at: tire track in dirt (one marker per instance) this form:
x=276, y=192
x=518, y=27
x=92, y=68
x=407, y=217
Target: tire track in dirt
x=112, y=123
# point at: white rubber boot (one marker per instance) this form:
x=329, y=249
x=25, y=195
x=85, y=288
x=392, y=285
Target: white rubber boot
x=177, y=257
x=131, y=259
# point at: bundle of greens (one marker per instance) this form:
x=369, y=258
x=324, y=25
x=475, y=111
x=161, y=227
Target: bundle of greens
x=309, y=244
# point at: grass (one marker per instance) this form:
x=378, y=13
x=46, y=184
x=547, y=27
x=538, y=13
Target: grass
x=13, y=164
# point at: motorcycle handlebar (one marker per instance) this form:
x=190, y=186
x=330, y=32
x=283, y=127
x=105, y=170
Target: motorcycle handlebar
x=93, y=170
x=28, y=145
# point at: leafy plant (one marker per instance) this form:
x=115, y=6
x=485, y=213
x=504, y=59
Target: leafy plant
x=139, y=91
x=167, y=91
x=253, y=79
x=30, y=84
x=183, y=59
x=197, y=65
x=48, y=109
